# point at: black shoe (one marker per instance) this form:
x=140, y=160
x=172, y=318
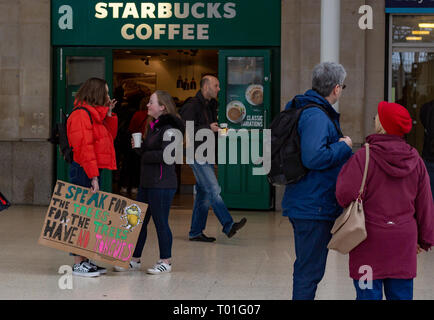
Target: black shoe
x=237, y=226
x=202, y=238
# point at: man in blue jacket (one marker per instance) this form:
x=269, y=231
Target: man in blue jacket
x=310, y=204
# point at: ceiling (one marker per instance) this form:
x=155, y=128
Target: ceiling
x=169, y=54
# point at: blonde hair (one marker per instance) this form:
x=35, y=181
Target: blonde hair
x=166, y=100
x=378, y=127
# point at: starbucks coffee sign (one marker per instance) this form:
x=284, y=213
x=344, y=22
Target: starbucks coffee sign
x=225, y=23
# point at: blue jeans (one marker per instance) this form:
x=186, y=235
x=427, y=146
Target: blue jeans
x=394, y=289
x=311, y=238
x=207, y=194
x=78, y=176
x=159, y=202
x=430, y=168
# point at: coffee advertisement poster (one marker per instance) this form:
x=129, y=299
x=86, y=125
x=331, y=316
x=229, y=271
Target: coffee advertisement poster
x=245, y=106
x=100, y=226
x=245, y=93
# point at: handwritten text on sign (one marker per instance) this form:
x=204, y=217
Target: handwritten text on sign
x=101, y=226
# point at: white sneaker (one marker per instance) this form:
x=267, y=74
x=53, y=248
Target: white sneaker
x=84, y=269
x=133, y=266
x=160, y=267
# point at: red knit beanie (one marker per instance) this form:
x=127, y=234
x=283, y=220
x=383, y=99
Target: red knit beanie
x=394, y=118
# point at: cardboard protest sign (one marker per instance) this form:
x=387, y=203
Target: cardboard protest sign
x=100, y=226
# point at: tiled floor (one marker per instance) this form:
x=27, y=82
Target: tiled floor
x=255, y=264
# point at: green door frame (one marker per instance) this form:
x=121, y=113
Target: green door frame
x=61, y=103
x=254, y=192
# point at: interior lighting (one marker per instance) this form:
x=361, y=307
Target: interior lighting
x=426, y=25
x=421, y=32
x=414, y=38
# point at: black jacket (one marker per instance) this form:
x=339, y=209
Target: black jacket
x=154, y=172
x=203, y=112
x=427, y=119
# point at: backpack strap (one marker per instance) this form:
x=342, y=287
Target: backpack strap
x=325, y=111
x=82, y=108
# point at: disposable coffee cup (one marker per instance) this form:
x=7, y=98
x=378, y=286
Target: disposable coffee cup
x=137, y=139
x=223, y=129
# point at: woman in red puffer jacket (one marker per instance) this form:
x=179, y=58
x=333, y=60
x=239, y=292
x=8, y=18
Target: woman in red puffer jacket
x=91, y=135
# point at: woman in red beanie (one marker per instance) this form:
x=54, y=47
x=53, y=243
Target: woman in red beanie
x=398, y=205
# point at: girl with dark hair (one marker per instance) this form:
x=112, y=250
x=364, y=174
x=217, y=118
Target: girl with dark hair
x=91, y=133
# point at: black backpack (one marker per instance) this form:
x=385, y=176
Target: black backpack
x=286, y=164
x=61, y=138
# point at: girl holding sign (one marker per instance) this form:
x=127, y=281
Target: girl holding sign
x=91, y=129
x=158, y=181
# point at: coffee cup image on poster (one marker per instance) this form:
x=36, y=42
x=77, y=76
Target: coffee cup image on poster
x=100, y=226
x=255, y=94
x=245, y=105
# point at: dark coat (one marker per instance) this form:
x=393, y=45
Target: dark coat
x=154, y=172
x=203, y=112
x=398, y=205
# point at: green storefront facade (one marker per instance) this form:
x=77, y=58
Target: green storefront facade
x=85, y=33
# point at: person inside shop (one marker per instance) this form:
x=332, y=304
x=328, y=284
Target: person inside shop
x=91, y=134
x=133, y=96
x=398, y=207
x=158, y=181
x=202, y=110
x=129, y=179
x=427, y=119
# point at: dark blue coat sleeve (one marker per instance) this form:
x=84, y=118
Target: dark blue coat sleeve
x=320, y=148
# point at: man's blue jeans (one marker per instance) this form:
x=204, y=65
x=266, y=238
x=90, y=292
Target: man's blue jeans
x=208, y=194
x=311, y=238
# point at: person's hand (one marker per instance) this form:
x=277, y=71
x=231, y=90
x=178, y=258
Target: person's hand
x=214, y=127
x=111, y=104
x=94, y=185
x=347, y=140
x=419, y=249
x=132, y=142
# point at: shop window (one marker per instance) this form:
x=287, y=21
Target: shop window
x=411, y=77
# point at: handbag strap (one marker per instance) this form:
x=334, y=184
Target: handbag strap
x=365, y=173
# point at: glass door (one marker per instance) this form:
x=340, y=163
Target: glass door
x=413, y=86
x=244, y=105
x=73, y=67
x=411, y=77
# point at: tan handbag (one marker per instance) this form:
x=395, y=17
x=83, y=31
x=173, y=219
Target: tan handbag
x=349, y=229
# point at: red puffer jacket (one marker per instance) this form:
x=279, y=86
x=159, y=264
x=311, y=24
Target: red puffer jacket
x=92, y=145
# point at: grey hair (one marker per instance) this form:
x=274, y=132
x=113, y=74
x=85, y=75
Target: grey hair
x=326, y=76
